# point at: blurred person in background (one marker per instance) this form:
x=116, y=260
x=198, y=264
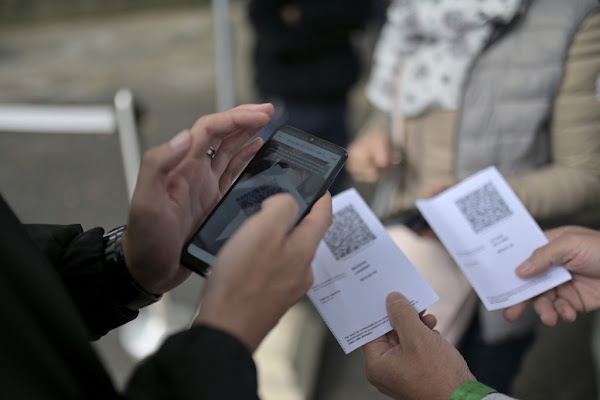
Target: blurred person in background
x=61, y=286
x=306, y=60
x=459, y=86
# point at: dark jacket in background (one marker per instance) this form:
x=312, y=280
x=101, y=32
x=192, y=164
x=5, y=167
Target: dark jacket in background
x=314, y=59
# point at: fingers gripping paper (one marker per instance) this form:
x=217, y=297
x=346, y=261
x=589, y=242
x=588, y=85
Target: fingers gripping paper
x=356, y=266
x=488, y=232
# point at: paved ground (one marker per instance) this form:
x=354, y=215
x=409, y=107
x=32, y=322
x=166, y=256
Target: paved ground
x=165, y=57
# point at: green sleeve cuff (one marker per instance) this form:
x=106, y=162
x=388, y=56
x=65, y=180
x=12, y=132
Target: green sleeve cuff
x=471, y=390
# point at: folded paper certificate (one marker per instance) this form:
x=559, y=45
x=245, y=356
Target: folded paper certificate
x=356, y=266
x=488, y=232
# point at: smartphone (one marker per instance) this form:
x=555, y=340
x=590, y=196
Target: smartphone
x=290, y=161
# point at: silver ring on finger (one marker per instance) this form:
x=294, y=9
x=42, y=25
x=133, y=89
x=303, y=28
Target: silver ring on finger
x=211, y=152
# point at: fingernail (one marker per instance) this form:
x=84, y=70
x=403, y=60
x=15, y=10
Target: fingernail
x=181, y=140
x=394, y=297
x=525, y=268
x=256, y=106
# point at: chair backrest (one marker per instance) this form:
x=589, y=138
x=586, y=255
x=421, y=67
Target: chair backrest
x=100, y=119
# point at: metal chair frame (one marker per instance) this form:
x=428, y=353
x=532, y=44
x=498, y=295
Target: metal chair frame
x=118, y=118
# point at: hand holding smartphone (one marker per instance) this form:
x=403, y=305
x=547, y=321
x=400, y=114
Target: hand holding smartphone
x=291, y=161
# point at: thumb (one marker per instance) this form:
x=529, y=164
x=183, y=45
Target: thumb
x=165, y=157
x=403, y=317
x=382, y=159
x=557, y=252
x=178, y=147
x=380, y=153
x=161, y=160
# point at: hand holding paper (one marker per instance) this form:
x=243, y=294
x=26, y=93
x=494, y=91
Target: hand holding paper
x=578, y=249
x=356, y=266
x=488, y=232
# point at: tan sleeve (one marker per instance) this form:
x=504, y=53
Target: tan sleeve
x=572, y=181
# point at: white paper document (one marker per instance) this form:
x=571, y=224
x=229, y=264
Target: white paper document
x=488, y=232
x=356, y=266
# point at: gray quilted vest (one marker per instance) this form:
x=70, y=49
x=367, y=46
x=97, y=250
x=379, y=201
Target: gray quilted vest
x=509, y=95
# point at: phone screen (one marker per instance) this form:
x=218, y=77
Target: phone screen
x=291, y=161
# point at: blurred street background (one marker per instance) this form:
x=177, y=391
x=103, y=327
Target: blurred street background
x=82, y=52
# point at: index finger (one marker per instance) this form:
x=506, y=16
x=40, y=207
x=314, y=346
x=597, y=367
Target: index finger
x=376, y=348
x=212, y=128
x=555, y=233
x=513, y=313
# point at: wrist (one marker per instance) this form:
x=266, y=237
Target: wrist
x=230, y=329
x=238, y=326
x=471, y=390
x=127, y=291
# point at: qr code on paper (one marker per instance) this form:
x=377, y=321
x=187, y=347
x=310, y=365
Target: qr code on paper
x=483, y=207
x=250, y=202
x=347, y=233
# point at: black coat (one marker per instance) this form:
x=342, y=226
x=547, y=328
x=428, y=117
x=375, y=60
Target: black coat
x=314, y=60
x=55, y=297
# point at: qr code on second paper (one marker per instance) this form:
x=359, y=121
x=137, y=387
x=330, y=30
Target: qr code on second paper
x=483, y=207
x=347, y=233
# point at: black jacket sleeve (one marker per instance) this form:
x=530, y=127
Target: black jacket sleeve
x=78, y=257
x=44, y=348
x=200, y=363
